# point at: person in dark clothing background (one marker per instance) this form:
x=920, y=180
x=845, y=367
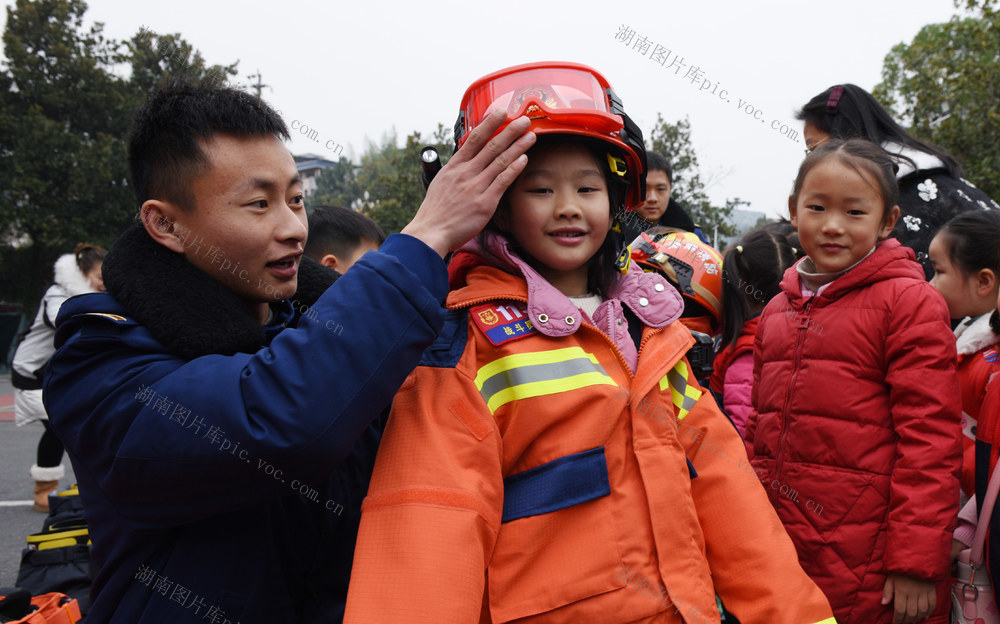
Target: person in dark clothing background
x=660, y=208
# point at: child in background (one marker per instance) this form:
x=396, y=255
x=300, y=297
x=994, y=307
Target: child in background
x=784, y=228
x=751, y=276
x=965, y=255
x=694, y=268
x=855, y=398
x=338, y=237
x=532, y=468
x=75, y=274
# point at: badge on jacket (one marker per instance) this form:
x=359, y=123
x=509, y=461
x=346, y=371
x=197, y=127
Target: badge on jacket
x=990, y=355
x=503, y=322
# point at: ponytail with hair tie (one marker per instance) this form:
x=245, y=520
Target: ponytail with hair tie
x=834, y=100
x=752, y=273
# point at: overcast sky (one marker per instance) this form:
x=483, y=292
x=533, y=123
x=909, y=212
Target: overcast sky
x=353, y=71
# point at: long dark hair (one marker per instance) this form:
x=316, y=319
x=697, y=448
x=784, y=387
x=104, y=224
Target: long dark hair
x=847, y=111
x=602, y=275
x=751, y=276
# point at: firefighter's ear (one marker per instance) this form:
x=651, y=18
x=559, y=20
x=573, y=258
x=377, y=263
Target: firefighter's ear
x=159, y=219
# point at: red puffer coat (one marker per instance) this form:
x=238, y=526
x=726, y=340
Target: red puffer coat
x=856, y=428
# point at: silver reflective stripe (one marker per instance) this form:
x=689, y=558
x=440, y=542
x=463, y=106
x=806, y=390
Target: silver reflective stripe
x=538, y=372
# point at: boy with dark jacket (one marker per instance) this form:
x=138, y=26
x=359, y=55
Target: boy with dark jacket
x=659, y=208
x=212, y=399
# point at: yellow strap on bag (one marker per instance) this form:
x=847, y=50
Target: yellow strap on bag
x=72, y=490
x=57, y=539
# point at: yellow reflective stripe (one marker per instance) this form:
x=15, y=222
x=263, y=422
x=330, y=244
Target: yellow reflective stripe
x=827, y=621
x=526, y=375
x=683, y=394
x=542, y=388
x=529, y=359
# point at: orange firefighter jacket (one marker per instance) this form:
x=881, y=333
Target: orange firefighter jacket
x=537, y=479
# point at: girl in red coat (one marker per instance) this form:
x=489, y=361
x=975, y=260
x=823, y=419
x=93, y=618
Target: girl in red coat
x=856, y=425
x=751, y=273
x=965, y=255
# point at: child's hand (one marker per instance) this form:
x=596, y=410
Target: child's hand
x=464, y=194
x=915, y=599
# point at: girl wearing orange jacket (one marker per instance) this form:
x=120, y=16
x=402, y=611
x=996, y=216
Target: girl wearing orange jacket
x=552, y=459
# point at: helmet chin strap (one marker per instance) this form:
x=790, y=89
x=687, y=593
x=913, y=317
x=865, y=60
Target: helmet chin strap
x=624, y=258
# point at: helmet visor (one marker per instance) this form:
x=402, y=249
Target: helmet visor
x=574, y=95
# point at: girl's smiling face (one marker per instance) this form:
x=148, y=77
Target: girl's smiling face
x=559, y=213
x=839, y=214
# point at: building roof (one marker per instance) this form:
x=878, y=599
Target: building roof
x=317, y=163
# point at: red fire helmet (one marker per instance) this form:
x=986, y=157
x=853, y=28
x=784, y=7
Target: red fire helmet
x=560, y=98
x=692, y=266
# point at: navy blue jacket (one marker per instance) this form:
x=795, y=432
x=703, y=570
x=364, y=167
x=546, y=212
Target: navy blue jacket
x=214, y=485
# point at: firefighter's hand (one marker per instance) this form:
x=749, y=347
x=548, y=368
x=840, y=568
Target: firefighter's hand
x=465, y=193
x=915, y=599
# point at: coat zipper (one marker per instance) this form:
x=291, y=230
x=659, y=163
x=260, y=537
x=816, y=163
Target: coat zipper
x=617, y=351
x=802, y=327
x=468, y=303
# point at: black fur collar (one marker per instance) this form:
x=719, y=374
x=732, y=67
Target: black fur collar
x=186, y=310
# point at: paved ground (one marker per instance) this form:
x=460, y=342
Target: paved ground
x=17, y=453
